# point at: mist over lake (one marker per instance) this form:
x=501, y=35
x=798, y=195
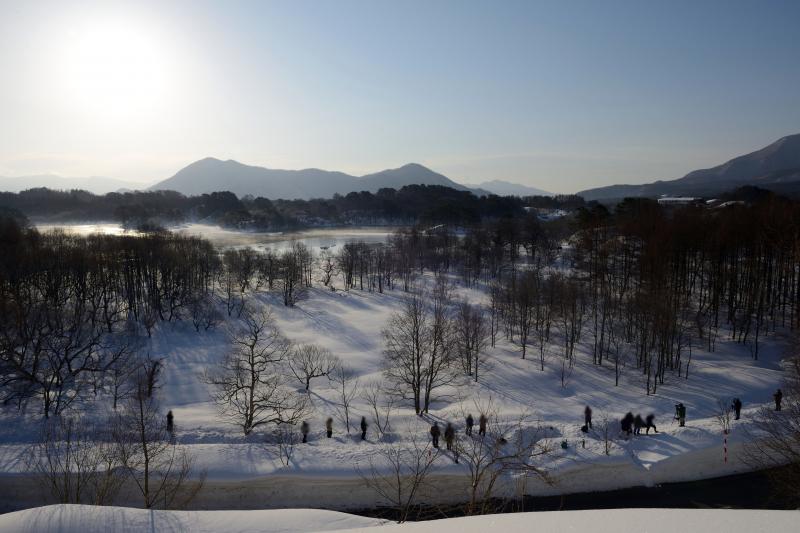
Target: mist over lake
x=316, y=239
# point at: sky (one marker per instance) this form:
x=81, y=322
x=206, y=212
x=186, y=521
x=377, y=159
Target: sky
x=561, y=95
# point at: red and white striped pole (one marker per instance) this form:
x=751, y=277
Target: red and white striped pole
x=725, y=446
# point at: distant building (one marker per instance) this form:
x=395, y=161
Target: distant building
x=678, y=200
x=546, y=213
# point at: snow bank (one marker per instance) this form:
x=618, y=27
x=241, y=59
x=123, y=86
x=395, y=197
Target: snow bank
x=613, y=521
x=91, y=519
x=88, y=519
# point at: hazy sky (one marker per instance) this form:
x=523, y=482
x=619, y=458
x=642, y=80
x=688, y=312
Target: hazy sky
x=562, y=95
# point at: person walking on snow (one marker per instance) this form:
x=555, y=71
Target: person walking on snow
x=363, y=428
x=470, y=423
x=649, y=423
x=449, y=435
x=435, y=432
x=680, y=414
x=304, y=431
x=737, y=408
x=329, y=427
x=778, y=396
x=587, y=417
x=638, y=424
x=627, y=424
x=482, y=425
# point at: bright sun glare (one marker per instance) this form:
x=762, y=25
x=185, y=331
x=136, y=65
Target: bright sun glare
x=112, y=69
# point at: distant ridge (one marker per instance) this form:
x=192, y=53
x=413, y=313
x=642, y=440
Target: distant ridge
x=94, y=184
x=210, y=175
x=775, y=167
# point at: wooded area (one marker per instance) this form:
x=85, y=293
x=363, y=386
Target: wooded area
x=641, y=286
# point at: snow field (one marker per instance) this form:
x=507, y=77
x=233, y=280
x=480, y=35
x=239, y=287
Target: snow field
x=246, y=473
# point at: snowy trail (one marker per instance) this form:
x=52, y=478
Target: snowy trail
x=235, y=482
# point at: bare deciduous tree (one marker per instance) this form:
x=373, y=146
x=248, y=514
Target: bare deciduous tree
x=163, y=472
x=294, y=273
x=439, y=370
x=240, y=266
x=119, y=377
x=204, y=314
x=617, y=351
x=74, y=462
x=328, y=267
x=512, y=445
x=572, y=306
x=283, y=442
x=418, y=354
x=309, y=361
x=346, y=385
x=524, y=298
x=723, y=415
x=381, y=404
x=472, y=334
x=608, y=428
x=57, y=352
x=249, y=382
x=495, y=309
x=397, y=473
x=774, y=440
x=543, y=315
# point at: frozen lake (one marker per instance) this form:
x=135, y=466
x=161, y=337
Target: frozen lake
x=88, y=229
x=315, y=239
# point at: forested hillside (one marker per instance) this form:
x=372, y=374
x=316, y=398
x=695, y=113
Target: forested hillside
x=410, y=205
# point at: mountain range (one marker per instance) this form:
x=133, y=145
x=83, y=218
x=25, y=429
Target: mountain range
x=775, y=167
x=210, y=174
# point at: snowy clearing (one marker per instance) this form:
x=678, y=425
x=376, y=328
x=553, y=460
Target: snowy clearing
x=250, y=472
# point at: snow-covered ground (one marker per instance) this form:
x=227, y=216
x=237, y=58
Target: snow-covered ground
x=246, y=473
x=93, y=519
x=87, y=519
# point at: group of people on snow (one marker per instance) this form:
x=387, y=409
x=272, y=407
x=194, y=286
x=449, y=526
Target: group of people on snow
x=471, y=422
x=435, y=431
x=630, y=424
x=450, y=433
x=304, y=428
